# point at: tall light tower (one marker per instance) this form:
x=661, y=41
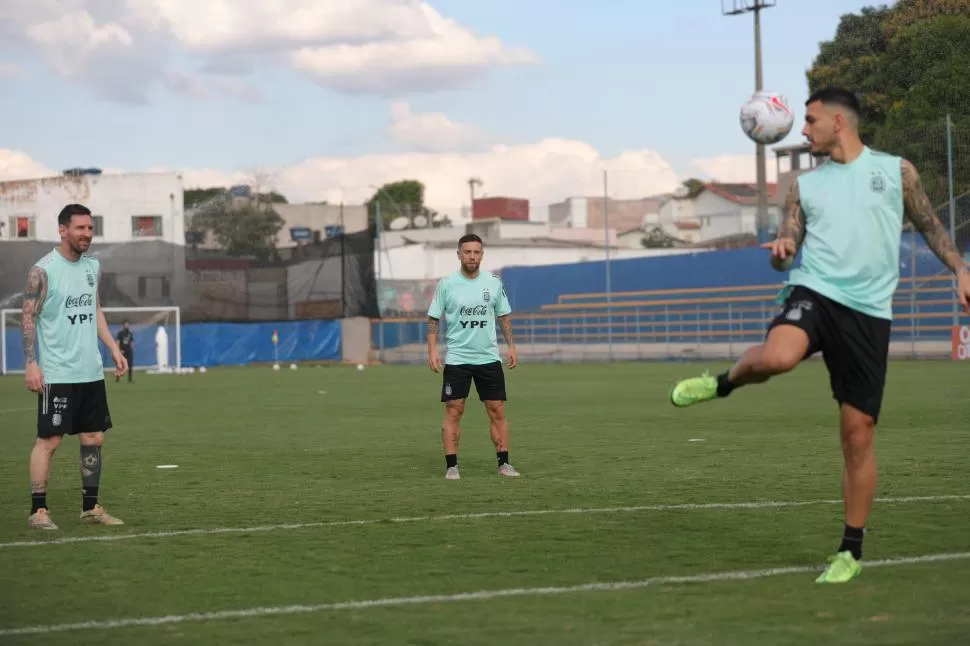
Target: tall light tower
x=735, y=8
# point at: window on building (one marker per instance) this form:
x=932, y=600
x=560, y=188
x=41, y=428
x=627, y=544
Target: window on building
x=146, y=226
x=154, y=287
x=22, y=227
x=98, y=226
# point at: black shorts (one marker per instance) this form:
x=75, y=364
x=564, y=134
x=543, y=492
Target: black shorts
x=855, y=346
x=489, y=382
x=69, y=409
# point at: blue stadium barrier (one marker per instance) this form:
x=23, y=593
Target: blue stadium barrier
x=222, y=344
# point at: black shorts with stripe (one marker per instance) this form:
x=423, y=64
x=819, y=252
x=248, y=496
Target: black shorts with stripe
x=69, y=409
x=489, y=378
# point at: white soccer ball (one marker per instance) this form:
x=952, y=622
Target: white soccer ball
x=292, y=366
x=360, y=366
x=276, y=366
x=766, y=118
x=202, y=369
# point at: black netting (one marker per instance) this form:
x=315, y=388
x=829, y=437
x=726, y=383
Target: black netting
x=330, y=279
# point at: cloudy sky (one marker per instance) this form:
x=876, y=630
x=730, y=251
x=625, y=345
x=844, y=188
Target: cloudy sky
x=328, y=97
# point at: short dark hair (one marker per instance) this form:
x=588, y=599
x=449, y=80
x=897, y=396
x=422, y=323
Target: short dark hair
x=469, y=237
x=64, y=217
x=839, y=96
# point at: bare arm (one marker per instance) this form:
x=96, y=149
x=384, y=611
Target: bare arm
x=793, y=227
x=506, y=323
x=433, y=326
x=104, y=332
x=34, y=296
x=919, y=210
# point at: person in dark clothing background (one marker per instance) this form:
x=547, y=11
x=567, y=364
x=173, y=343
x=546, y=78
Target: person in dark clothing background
x=126, y=341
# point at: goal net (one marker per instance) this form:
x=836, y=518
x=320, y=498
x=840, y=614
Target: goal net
x=157, y=334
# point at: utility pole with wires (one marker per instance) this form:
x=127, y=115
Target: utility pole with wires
x=736, y=8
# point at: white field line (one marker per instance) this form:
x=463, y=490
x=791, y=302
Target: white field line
x=480, y=595
x=212, y=531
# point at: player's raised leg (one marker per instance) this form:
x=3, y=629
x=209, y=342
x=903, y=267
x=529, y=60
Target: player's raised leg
x=784, y=348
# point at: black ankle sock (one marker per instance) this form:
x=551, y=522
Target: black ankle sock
x=503, y=457
x=724, y=385
x=852, y=541
x=37, y=501
x=451, y=460
x=89, y=498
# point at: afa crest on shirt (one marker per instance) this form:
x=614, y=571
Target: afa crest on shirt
x=90, y=278
x=486, y=296
x=877, y=183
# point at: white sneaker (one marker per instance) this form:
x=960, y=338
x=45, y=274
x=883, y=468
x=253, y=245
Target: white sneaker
x=508, y=471
x=452, y=474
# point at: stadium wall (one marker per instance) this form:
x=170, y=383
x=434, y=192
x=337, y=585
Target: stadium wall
x=222, y=344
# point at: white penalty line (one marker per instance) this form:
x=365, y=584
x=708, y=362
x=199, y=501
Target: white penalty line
x=481, y=595
x=212, y=531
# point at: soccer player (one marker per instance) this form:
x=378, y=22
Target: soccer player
x=62, y=318
x=846, y=216
x=126, y=341
x=470, y=301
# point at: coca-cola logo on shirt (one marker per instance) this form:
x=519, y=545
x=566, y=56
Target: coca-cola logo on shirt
x=478, y=310
x=84, y=300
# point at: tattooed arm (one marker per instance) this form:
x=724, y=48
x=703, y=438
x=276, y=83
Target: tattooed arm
x=506, y=323
x=434, y=361
x=919, y=210
x=791, y=234
x=34, y=296
x=793, y=228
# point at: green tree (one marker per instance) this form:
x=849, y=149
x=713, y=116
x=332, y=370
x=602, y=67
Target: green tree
x=908, y=63
x=249, y=230
x=657, y=238
x=403, y=198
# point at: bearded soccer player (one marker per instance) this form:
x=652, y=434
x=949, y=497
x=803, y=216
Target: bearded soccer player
x=847, y=217
x=62, y=318
x=471, y=301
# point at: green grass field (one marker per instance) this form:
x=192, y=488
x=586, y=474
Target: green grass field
x=297, y=456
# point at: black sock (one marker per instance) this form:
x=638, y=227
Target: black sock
x=852, y=541
x=89, y=498
x=38, y=500
x=90, y=476
x=503, y=457
x=724, y=385
x=451, y=460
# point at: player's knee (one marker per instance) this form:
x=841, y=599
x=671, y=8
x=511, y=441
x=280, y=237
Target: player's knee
x=496, y=410
x=857, y=433
x=777, y=360
x=92, y=439
x=49, y=444
x=455, y=408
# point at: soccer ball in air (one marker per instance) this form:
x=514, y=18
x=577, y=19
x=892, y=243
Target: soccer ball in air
x=767, y=118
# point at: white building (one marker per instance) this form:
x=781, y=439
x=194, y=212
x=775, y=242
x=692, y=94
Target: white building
x=433, y=260
x=127, y=207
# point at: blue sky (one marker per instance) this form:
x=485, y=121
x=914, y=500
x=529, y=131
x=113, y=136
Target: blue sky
x=614, y=75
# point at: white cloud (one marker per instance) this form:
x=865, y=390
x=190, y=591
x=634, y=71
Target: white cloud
x=15, y=164
x=433, y=131
x=124, y=49
x=734, y=168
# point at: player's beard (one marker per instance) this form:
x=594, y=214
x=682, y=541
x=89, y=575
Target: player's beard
x=80, y=245
x=469, y=268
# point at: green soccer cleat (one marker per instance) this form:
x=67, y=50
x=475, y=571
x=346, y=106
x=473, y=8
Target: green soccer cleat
x=695, y=390
x=842, y=568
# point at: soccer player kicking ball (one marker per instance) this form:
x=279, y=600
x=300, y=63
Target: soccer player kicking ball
x=847, y=217
x=62, y=316
x=470, y=302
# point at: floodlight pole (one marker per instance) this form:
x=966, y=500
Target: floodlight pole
x=734, y=8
